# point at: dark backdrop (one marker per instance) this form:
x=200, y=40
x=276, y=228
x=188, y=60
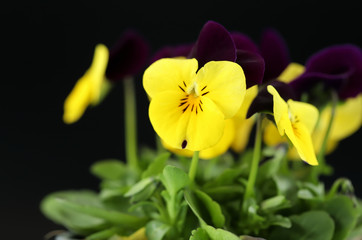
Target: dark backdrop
x=48, y=45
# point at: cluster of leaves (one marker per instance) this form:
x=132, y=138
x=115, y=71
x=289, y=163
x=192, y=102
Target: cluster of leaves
x=162, y=199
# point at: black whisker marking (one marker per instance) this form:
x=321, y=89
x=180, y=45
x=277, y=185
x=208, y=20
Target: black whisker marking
x=183, y=110
x=200, y=107
x=205, y=93
x=182, y=104
x=184, y=83
x=203, y=88
x=181, y=88
x=183, y=98
x=192, y=108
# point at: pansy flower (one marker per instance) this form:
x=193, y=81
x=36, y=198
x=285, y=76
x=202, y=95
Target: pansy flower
x=338, y=67
x=189, y=105
x=296, y=120
x=125, y=59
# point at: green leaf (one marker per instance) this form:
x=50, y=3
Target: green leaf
x=316, y=225
x=156, y=230
x=212, y=207
x=274, y=203
x=344, y=215
x=138, y=187
x=174, y=179
x=156, y=166
x=207, y=210
x=219, y=234
x=199, y=234
x=111, y=169
x=271, y=167
x=98, y=211
x=78, y=222
x=225, y=193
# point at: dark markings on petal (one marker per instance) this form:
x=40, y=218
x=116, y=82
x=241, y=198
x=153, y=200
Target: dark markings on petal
x=200, y=107
x=184, y=99
x=183, y=110
x=184, y=83
x=192, y=108
x=201, y=101
x=203, y=88
x=181, y=88
x=184, y=144
x=182, y=103
x=196, y=110
x=205, y=93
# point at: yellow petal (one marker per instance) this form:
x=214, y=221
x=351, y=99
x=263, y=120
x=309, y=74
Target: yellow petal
x=280, y=109
x=168, y=119
x=169, y=74
x=244, y=126
x=347, y=119
x=271, y=136
x=77, y=101
x=221, y=147
x=291, y=72
x=140, y=234
x=97, y=71
x=206, y=128
x=305, y=113
x=242, y=134
x=88, y=88
x=224, y=83
x=301, y=139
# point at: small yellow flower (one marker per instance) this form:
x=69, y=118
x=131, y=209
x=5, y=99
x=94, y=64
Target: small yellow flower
x=296, y=120
x=88, y=88
x=188, y=106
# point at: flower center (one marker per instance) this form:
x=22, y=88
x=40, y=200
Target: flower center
x=192, y=99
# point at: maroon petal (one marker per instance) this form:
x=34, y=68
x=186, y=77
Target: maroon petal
x=173, y=51
x=275, y=53
x=253, y=66
x=338, y=67
x=127, y=57
x=243, y=42
x=214, y=44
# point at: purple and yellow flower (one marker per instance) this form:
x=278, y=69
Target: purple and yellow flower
x=125, y=59
x=189, y=106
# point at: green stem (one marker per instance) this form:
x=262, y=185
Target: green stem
x=322, y=166
x=325, y=140
x=130, y=123
x=193, y=166
x=249, y=191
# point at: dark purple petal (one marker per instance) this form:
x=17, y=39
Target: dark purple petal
x=127, y=56
x=253, y=66
x=275, y=53
x=243, y=42
x=214, y=44
x=173, y=51
x=264, y=100
x=337, y=67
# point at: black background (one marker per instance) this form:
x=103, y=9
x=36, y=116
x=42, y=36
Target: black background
x=47, y=46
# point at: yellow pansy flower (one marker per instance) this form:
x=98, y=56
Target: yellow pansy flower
x=88, y=88
x=188, y=106
x=296, y=120
x=291, y=72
